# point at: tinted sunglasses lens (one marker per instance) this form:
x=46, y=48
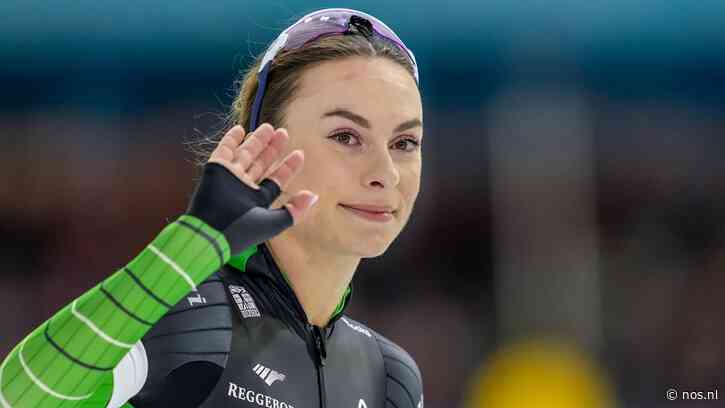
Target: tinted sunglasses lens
x=326, y=23
x=312, y=30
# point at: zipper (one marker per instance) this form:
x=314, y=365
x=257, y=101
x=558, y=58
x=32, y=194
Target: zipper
x=318, y=340
x=317, y=336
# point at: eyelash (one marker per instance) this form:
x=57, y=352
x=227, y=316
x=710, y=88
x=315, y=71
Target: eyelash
x=346, y=132
x=410, y=141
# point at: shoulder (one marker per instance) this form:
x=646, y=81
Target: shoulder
x=187, y=348
x=403, y=381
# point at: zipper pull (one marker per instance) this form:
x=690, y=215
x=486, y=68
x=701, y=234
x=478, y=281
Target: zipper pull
x=319, y=338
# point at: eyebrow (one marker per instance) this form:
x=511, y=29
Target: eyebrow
x=344, y=113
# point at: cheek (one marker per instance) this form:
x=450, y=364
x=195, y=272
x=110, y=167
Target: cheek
x=324, y=174
x=308, y=178
x=410, y=183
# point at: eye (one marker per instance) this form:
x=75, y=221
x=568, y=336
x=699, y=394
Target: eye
x=406, y=144
x=346, y=138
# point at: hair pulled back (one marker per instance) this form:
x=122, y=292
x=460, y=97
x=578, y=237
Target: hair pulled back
x=284, y=79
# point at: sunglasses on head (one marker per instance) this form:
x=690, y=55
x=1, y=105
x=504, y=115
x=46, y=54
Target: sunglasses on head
x=318, y=24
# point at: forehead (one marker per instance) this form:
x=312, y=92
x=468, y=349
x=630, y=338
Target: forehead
x=369, y=86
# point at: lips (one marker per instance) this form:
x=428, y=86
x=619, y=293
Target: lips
x=370, y=212
x=370, y=208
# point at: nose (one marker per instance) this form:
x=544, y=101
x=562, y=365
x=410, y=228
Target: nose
x=382, y=171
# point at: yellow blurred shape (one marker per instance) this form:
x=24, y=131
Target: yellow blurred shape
x=540, y=374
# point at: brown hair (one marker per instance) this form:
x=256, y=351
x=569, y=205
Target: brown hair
x=284, y=77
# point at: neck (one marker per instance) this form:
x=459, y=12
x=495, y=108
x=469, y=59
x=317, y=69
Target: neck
x=318, y=277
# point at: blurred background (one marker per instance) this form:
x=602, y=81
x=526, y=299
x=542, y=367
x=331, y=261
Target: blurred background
x=568, y=245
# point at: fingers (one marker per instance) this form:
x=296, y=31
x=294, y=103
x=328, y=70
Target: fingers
x=250, y=158
x=269, y=155
x=226, y=151
x=288, y=168
x=299, y=205
x=226, y=148
x=253, y=146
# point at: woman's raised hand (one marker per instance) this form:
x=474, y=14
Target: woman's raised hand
x=233, y=196
x=251, y=158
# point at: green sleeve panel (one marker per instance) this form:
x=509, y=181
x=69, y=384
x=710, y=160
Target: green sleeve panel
x=63, y=362
x=102, y=396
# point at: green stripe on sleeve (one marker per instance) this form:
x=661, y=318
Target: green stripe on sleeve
x=63, y=362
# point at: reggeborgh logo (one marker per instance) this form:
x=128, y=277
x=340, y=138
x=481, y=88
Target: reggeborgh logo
x=268, y=375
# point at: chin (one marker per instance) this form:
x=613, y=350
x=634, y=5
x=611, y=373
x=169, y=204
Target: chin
x=374, y=254
x=369, y=248
x=364, y=238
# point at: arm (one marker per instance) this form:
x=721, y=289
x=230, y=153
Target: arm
x=126, y=381
x=129, y=376
x=64, y=361
x=403, y=382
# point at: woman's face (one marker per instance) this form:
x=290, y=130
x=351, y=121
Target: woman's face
x=359, y=122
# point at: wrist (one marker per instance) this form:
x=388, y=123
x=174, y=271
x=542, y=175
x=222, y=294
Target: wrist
x=215, y=202
x=217, y=240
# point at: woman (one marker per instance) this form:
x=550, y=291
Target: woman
x=239, y=302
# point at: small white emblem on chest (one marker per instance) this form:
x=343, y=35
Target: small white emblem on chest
x=196, y=299
x=244, y=302
x=268, y=375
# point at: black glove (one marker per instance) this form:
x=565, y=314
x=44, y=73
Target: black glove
x=240, y=212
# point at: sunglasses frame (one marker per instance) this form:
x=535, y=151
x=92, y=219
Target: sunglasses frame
x=316, y=25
